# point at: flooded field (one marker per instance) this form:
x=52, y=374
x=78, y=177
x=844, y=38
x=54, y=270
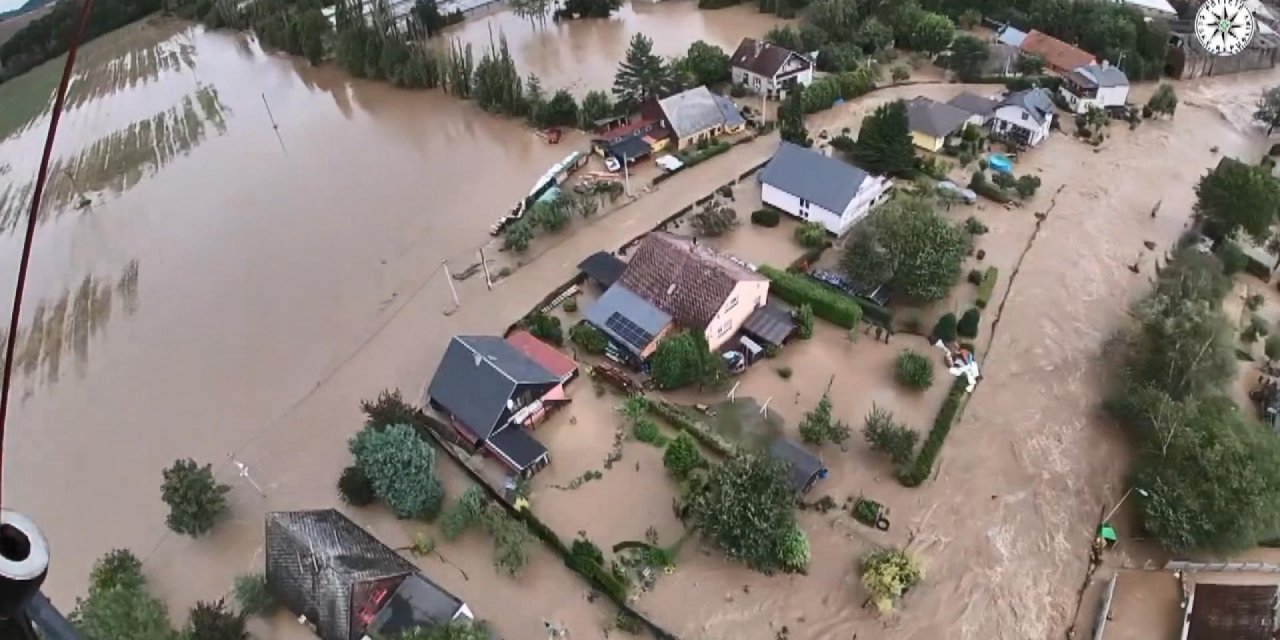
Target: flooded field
x=234, y=289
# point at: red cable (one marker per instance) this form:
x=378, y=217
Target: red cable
x=58, y=101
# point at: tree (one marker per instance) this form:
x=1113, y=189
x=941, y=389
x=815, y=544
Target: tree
x=804, y=321
x=551, y=215
x=534, y=10
x=1164, y=101
x=642, y=74
x=402, y=468
x=213, y=621
x=119, y=569
x=714, y=220
x=685, y=359
x=1004, y=180
x=1030, y=64
x=747, y=508
x=560, y=111
x=888, y=574
x=794, y=554
x=887, y=436
x=811, y=235
x=195, y=499
x=460, y=629
x=466, y=511
x=591, y=8
x=118, y=606
x=355, y=488
x=968, y=55
x=1026, y=185
x=1181, y=346
x=932, y=33
x=428, y=17
x=1268, y=112
x=313, y=28
x=517, y=236
x=913, y=369
x=884, y=141
x=791, y=118
x=906, y=244
x=874, y=36
x=587, y=336
x=706, y=63
x=1236, y=196
x=596, y=105
x=945, y=329
x=544, y=327
x=817, y=426
x=682, y=456
x=252, y=595
x=511, y=540
x=388, y=409
x=969, y=323
x=970, y=18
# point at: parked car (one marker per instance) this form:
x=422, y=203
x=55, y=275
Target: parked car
x=611, y=163
x=968, y=196
x=875, y=294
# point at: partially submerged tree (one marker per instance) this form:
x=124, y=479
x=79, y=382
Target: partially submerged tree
x=682, y=456
x=747, y=508
x=1268, y=112
x=791, y=119
x=906, y=244
x=1234, y=197
x=884, y=141
x=544, y=327
x=252, y=595
x=118, y=606
x=464, y=512
x=885, y=435
x=714, y=219
x=818, y=426
x=642, y=74
x=888, y=574
x=1164, y=101
x=685, y=359
x=213, y=621
x=355, y=487
x=196, y=500
x=705, y=63
x=913, y=369
x=402, y=468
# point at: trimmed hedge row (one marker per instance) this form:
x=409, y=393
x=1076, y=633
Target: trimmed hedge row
x=696, y=428
x=827, y=304
x=915, y=473
x=987, y=287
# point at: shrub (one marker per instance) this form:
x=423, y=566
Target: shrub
x=916, y=473
x=914, y=370
x=766, y=217
x=252, y=595
x=969, y=323
x=900, y=73
x=355, y=487
x=212, y=621
x=119, y=569
x=402, y=468
x=887, y=436
x=794, y=552
x=945, y=328
x=195, y=499
x=517, y=236
x=975, y=277
x=888, y=574
x=714, y=220
x=682, y=456
x=1257, y=327
x=784, y=373
x=804, y=321
x=827, y=304
x=974, y=226
x=1272, y=347
x=987, y=287
x=587, y=336
x=867, y=511
x=646, y=430
x=817, y=426
x=571, y=305
x=464, y=512
x=811, y=235
x=544, y=327
x=748, y=510
x=685, y=359
x=627, y=623
x=1232, y=256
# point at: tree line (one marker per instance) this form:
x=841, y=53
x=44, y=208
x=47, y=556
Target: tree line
x=45, y=37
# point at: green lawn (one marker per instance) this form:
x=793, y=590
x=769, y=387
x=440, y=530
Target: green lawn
x=25, y=97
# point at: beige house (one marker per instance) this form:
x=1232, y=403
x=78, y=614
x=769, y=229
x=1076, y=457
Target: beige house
x=701, y=288
x=694, y=116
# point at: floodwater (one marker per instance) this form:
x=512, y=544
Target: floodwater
x=262, y=246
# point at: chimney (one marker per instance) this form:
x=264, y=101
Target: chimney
x=1105, y=64
x=759, y=47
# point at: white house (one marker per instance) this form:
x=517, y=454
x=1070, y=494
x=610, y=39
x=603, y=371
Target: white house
x=1023, y=117
x=818, y=188
x=769, y=69
x=1097, y=86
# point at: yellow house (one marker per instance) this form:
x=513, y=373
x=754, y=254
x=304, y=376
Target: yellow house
x=697, y=114
x=932, y=123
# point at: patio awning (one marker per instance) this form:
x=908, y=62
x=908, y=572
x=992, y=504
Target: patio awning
x=770, y=323
x=518, y=447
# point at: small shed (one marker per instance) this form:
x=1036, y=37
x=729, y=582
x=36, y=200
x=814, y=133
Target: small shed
x=804, y=467
x=602, y=267
x=770, y=323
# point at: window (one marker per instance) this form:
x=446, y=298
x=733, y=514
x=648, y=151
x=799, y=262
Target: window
x=1024, y=115
x=724, y=328
x=804, y=204
x=733, y=302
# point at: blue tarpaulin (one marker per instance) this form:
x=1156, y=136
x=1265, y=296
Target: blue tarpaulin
x=999, y=162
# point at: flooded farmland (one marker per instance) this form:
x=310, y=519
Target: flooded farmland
x=231, y=288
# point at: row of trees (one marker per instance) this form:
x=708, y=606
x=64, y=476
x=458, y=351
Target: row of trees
x=45, y=37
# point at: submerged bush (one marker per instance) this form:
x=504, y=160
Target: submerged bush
x=914, y=370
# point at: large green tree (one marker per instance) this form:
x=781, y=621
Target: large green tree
x=1181, y=346
x=118, y=606
x=685, y=359
x=642, y=74
x=884, y=141
x=596, y=105
x=1234, y=197
x=747, y=509
x=909, y=246
x=195, y=499
x=705, y=63
x=402, y=469
x=214, y=621
x=932, y=33
x=791, y=119
x=455, y=630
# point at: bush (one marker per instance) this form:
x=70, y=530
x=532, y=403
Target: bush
x=464, y=512
x=544, y=327
x=817, y=426
x=646, y=430
x=685, y=359
x=571, y=305
x=784, y=373
x=794, y=552
x=888, y=574
x=195, y=499
x=804, y=321
x=1272, y=347
x=811, y=235
x=696, y=428
x=975, y=277
x=682, y=456
x=1256, y=328
x=355, y=487
x=212, y=621
x=915, y=474
x=887, y=436
x=944, y=329
x=974, y=226
x=827, y=304
x=119, y=569
x=1232, y=256
x=914, y=370
x=517, y=236
x=766, y=217
x=252, y=595
x=969, y=323
x=987, y=287
x=587, y=336
x=900, y=73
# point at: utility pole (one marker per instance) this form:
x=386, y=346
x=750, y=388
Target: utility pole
x=449, y=278
x=626, y=173
x=488, y=281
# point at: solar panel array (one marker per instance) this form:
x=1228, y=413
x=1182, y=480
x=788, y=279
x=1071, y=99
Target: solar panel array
x=628, y=331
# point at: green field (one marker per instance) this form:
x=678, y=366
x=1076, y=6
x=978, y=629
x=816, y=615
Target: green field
x=25, y=97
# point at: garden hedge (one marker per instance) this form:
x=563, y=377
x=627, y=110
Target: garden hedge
x=915, y=473
x=696, y=428
x=828, y=304
x=987, y=287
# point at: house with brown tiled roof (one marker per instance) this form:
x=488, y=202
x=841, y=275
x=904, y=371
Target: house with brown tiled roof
x=701, y=288
x=1058, y=56
x=768, y=69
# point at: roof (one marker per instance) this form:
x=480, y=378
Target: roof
x=730, y=111
x=629, y=148
x=549, y=357
x=1104, y=76
x=1010, y=36
x=1233, y=612
x=315, y=558
x=689, y=281
x=603, y=267
x=770, y=323
x=761, y=58
x=629, y=319
x=518, y=446
x=800, y=463
x=803, y=173
x=477, y=376
x=1159, y=6
x=1056, y=53
x=935, y=119
x=973, y=103
x=1036, y=101
x=692, y=111
x=418, y=602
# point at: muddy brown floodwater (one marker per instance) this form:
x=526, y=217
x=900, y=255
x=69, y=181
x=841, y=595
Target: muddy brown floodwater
x=225, y=290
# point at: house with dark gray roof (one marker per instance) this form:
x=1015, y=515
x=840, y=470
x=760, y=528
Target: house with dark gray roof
x=1024, y=117
x=803, y=467
x=933, y=123
x=344, y=583
x=768, y=69
x=694, y=115
x=491, y=391
x=980, y=108
x=815, y=187
x=1098, y=86
x=633, y=325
